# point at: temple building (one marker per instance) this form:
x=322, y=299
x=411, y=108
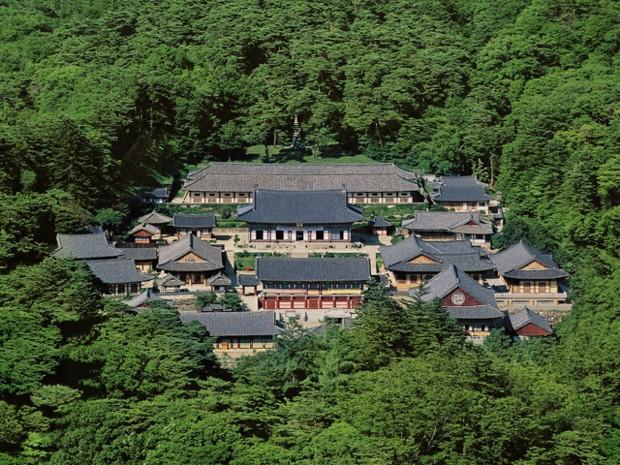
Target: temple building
x=200, y=225
x=312, y=283
x=365, y=183
x=299, y=216
x=145, y=258
x=144, y=234
x=527, y=323
x=118, y=276
x=529, y=277
x=219, y=282
x=191, y=260
x=88, y=246
x=238, y=333
x=380, y=226
x=471, y=305
x=414, y=261
x=116, y=272
x=462, y=193
x=157, y=195
x=450, y=226
x=156, y=219
x=168, y=284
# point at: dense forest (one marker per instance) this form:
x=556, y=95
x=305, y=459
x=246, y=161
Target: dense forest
x=101, y=97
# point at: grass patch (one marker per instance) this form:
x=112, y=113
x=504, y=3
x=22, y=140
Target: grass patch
x=344, y=160
x=395, y=214
x=246, y=261
x=397, y=238
x=223, y=212
x=380, y=263
x=335, y=254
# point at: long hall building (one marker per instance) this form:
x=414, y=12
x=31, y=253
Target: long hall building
x=312, y=283
x=302, y=216
x=234, y=183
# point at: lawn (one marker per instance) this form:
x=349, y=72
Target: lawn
x=246, y=261
x=225, y=213
x=345, y=160
x=395, y=214
x=335, y=254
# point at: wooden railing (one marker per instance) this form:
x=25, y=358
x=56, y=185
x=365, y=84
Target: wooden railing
x=313, y=292
x=530, y=295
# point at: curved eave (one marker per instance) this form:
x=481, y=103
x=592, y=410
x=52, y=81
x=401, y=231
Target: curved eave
x=536, y=276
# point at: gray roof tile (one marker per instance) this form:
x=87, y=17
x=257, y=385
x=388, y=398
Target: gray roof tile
x=510, y=261
x=140, y=253
x=143, y=298
x=526, y=316
x=219, y=279
x=381, y=222
x=452, y=278
x=116, y=271
x=299, y=207
x=84, y=246
x=344, y=269
x=479, y=312
x=158, y=193
x=193, y=221
x=226, y=324
x=169, y=254
x=246, y=177
x=150, y=228
x=169, y=281
x=456, y=222
x=445, y=253
x=154, y=218
x=462, y=189
x=247, y=280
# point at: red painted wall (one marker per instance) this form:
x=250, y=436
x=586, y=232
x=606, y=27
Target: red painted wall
x=469, y=300
x=271, y=302
x=532, y=330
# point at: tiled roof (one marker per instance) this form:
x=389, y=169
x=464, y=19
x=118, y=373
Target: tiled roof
x=144, y=297
x=158, y=193
x=526, y=316
x=462, y=189
x=116, y=271
x=140, y=253
x=219, y=279
x=478, y=312
x=85, y=246
x=299, y=207
x=381, y=222
x=169, y=281
x=246, y=177
x=169, y=254
x=154, y=218
x=456, y=222
x=344, y=269
x=226, y=324
x=444, y=253
x=187, y=221
x=510, y=261
x=452, y=278
x=247, y=280
x=150, y=228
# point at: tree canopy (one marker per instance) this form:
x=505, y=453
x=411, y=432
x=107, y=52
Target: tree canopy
x=99, y=99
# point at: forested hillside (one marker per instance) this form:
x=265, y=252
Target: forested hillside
x=99, y=98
